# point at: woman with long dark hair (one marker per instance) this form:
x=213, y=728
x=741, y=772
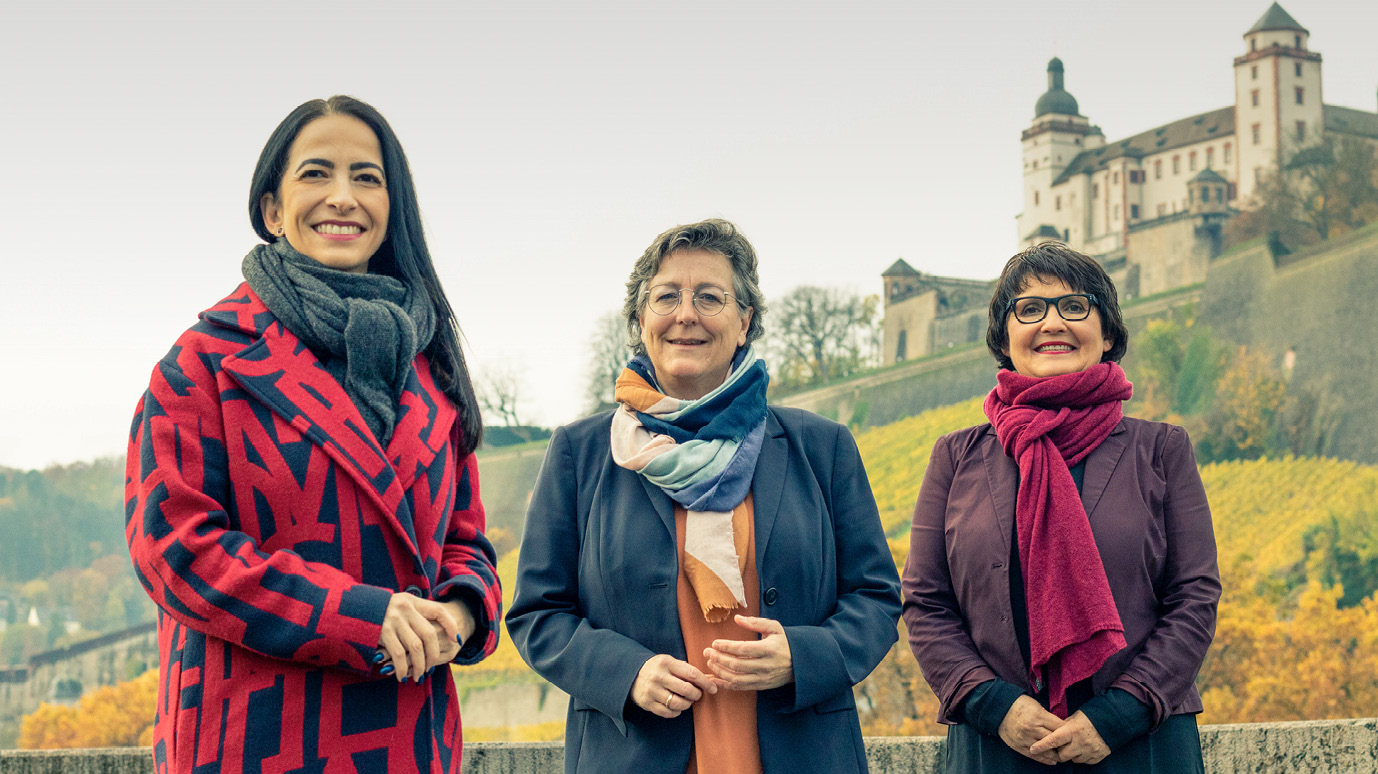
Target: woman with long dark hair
x=302, y=495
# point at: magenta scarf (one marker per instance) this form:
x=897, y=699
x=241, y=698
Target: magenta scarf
x=1048, y=425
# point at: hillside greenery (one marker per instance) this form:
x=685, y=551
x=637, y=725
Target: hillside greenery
x=1298, y=552
x=63, y=555
x=1297, y=636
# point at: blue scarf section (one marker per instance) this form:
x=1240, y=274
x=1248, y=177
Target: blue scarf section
x=734, y=413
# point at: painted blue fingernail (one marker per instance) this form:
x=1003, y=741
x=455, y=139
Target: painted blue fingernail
x=387, y=670
x=378, y=657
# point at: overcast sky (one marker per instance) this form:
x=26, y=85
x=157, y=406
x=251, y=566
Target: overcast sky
x=551, y=141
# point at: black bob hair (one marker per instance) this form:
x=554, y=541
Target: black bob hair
x=1078, y=271
x=403, y=253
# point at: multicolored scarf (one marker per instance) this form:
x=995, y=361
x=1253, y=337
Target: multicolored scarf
x=702, y=453
x=1048, y=425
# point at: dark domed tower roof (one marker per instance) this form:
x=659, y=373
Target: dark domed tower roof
x=1055, y=99
x=1276, y=19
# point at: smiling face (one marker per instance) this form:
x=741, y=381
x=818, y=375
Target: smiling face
x=1054, y=346
x=332, y=204
x=692, y=353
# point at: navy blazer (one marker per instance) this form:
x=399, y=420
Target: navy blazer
x=596, y=596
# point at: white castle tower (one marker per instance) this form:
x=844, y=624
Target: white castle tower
x=1277, y=86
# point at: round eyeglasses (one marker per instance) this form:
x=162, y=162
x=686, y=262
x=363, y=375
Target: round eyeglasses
x=1032, y=309
x=707, y=300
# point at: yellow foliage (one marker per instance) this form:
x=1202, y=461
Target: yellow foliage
x=1307, y=659
x=1320, y=662
x=118, y=715
x=538, y=732
x=896, y=456
x=1267, y=662
x=505, y=660
x=1262, y=509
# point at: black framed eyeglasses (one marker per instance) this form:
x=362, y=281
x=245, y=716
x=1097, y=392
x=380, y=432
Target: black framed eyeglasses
x=1032, y=309
x=708, y=300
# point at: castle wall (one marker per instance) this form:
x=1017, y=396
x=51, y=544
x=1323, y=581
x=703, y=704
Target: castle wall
x=106, y=660
x=960, y=328
x=1169, y=253
x=913, y=317
x=1309, y=303
x=943, y=379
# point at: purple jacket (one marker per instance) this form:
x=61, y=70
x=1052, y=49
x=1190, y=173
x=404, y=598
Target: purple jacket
x=1152, y=526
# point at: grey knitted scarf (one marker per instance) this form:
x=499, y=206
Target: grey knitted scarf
x=366, y=328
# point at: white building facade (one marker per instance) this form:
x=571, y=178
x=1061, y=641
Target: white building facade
x=1096, y=195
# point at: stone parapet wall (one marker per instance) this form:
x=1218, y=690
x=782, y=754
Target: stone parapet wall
x=1313, y=746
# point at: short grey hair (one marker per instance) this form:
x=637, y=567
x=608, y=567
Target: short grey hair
x=714, y=235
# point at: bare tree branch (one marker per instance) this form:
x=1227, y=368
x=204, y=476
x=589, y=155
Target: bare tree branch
x=821, y=335
x=608, y=355
x=499, y=386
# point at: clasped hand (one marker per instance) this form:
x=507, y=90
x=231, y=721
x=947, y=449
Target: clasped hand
x=1037, y=733
x=667, y=686
x=421, y=634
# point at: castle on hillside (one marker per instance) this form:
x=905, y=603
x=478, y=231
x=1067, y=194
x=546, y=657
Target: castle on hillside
x=1150, y=207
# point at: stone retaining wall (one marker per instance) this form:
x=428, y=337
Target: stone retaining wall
x=1314, y=746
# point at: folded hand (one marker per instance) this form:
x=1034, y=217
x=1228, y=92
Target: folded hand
x=753, y=665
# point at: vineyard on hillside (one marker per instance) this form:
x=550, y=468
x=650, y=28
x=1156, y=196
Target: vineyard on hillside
x=1297, y=636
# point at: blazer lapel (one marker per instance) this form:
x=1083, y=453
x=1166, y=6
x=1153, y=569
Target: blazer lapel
x=425, y=416
x=1100, y=465
x=1002, y=477
x=279, y=370
x=768, y=482
x=662, y=503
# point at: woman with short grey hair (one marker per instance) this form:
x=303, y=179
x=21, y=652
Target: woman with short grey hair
x=705, y=575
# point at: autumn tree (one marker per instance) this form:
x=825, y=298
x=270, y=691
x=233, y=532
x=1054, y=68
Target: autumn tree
x=1322, y=190
x=1242, y=423
x=118, y=715
x=895, y=700
x=819, y=335
x=1316, y=661
x=1176, y=366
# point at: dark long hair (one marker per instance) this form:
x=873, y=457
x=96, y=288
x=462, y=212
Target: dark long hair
x=403, y=253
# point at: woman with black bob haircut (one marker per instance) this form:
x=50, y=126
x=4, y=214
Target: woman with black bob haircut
x=1075, y=270
x=1061, y=587
x=302, y=493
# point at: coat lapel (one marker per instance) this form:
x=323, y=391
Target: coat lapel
x=768, y=482
x=1002, y=477
x=1100, y=465
x=425, y=417
x=662, y=503
x=281, y=372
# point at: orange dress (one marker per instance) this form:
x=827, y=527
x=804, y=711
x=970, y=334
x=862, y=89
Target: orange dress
x=724, y=723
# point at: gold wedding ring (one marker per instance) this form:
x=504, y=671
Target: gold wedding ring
x=667, y=701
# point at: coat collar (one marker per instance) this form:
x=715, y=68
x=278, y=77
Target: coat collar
x=1002, y=474
x=282, y=372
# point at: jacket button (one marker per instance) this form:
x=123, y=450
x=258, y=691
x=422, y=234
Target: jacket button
x=414, y=591
x=771, y=595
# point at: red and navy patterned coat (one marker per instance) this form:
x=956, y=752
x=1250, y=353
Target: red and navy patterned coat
x=271, y=529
